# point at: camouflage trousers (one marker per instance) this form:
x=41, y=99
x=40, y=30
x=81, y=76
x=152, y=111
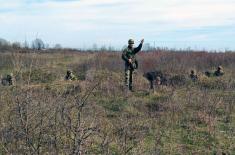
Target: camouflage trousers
x=128, y=77
x=7, y=82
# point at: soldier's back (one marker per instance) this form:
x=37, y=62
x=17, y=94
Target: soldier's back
x=218, y=73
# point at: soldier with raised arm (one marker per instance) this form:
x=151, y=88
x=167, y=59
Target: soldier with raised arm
x=131, y=63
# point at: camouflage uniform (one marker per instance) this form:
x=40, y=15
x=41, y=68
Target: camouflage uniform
x=193, y=75
x=9, y=80
x=129, y=53
x=158, y=80
x=70, y=76
x=155, y=76
x=219, y=71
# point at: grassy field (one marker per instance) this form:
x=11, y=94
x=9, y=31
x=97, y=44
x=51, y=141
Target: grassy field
x=43, y=114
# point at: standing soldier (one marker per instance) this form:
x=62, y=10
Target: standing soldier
x=131, y=63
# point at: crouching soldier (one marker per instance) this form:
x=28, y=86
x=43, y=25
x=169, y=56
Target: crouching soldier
x=193, y=76
x=219, y=71
x=131, y=63
x=70, y=76
x=9, y=80
x=154, y=78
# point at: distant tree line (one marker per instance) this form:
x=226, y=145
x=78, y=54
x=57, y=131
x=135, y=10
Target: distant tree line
x=39, y=44
x=36, y=44
x=103, y=48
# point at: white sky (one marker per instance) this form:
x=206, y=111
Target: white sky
x=80, y=23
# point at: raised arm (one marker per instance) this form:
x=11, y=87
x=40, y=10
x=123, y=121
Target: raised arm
x=137, y=49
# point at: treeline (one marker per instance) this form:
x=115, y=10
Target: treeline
x=40, y=45
x=36, y=44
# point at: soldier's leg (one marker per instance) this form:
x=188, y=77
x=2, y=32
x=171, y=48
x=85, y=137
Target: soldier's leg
x=13, y=81
x=151, y=84
x=130, y=79
x=4, y=82
x=10, y=83
x=127, y=77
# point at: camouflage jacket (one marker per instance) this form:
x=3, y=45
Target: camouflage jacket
x=71, y=77
x=130, y=53
x=214, y=74
x=218, y=73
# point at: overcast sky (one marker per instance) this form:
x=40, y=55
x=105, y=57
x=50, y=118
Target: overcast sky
x=199, y=24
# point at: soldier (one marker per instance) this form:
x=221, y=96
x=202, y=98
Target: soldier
x=219, y=71
x=153, y=77
x=193, y=76
x=9, y=80
x=70, y=76
x=131, y=63
x=158, y=81
x=3, y=80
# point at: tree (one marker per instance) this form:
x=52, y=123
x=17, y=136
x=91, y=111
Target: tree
x=4, y=44
x=103, y=48
x=58, y=46
x=94, y=47
x=38, y=44
x=111, y=48
x=16, y=45
x=25, y=44
x=46, y=46
x=148, y=47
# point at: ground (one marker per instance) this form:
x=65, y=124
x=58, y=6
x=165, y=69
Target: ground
x=43, y=114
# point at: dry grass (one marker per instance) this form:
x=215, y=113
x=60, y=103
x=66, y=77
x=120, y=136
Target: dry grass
x=43, y=114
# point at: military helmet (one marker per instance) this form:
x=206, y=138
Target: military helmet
x=131, y=41
x=193, y=71
x=69, y=71
x=220, y=67
x=9, y=76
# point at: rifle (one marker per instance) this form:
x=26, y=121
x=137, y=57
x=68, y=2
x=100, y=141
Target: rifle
x=134, y=65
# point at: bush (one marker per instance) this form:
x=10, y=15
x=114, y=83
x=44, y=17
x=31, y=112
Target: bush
x=39, y=76
x=213, y=83
x=178, y=80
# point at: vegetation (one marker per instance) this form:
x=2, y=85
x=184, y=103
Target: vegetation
x=43, y=114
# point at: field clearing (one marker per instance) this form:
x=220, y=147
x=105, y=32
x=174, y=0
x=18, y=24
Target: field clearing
x=43, y=114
